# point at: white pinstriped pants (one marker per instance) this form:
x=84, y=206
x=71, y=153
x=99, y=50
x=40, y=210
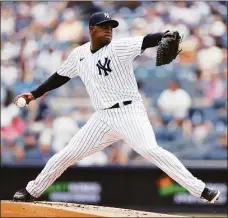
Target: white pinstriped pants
x=129, y=123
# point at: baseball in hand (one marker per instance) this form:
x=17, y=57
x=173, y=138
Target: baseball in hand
x=21, y=102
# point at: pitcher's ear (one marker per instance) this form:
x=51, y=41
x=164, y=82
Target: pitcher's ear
x=91, y=29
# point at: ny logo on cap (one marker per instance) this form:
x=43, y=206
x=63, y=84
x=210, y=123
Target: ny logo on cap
x=106, y=15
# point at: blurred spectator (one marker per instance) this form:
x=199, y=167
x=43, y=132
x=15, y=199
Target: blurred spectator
x=179, y=11
x=218, y=150
x=44, y=15
x=42, y=109
x=216, y=88
x=64, y=128
x=81, y=115
x=9, y=74
x=7, y=21
x=174, y=101
x=11, y=151
x=12, y=125
x=70, y=29
x=118, y=153
x=30, y=142
x=200, y=131
x=33, y=151
x=211, y=56
x=36, y=37
x=46, y=130
x=23, y=18
x=49, y=60
x=200, y=85
x=45, y=144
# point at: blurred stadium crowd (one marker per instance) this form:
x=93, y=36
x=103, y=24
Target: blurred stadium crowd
x=186, y=100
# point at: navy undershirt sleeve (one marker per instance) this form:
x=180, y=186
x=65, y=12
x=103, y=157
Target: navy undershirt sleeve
x=56, y=80
x=53, y=82
x=151, y=40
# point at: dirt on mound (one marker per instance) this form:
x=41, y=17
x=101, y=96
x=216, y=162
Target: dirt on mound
x=61, y=209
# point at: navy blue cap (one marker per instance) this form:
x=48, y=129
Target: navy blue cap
x=102, y=17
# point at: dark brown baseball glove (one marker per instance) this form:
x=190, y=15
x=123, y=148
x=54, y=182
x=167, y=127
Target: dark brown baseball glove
x=168, y=48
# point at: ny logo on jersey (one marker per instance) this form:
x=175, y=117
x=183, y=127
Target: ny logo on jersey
x=105, y=67
x=106, y=15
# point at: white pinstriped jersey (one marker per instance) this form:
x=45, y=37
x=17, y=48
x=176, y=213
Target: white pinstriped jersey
x=108, y=73
x=109, y=78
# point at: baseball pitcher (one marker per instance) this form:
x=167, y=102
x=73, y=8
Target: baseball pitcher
x=105, y=67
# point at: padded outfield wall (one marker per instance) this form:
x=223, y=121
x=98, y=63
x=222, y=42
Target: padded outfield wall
x=141, y=188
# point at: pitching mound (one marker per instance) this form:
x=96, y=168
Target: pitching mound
x=60, y=209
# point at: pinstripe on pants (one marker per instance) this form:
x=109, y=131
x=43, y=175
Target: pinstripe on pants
x=129, y=123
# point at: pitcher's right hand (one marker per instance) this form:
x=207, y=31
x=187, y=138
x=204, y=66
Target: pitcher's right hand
x=27, y=96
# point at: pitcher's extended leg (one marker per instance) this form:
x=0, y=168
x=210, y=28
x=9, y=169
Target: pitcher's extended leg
x=167, y=162
x=94, y=136
x=138, y=133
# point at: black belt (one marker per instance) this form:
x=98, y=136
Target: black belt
x=117, y=105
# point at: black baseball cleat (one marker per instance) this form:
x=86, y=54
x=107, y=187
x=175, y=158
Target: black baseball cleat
x=210, y=195
x=23, y=195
